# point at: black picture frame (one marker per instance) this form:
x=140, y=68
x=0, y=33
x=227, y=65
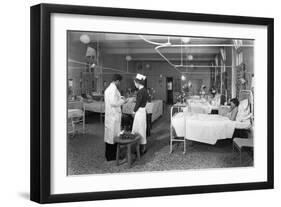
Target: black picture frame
x=41, y=102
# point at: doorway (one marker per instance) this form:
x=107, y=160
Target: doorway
x=169, y=89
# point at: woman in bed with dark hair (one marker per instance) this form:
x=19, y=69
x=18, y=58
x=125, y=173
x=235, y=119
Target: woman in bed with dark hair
x=234, y=103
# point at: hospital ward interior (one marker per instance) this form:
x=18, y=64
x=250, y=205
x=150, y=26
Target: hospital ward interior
x=158, y=103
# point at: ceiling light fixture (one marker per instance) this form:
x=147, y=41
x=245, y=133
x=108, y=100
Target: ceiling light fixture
x=84, y=38
x=189, y=57
x=128, y=57
x=185, y=39
x=183, y=78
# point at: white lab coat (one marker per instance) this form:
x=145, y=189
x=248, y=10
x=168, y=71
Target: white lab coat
x=113, y=113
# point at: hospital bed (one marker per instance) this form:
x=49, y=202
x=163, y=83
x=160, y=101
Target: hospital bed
x=95, y=105
x=206, y=128
x=155, y=107
x=199, y=106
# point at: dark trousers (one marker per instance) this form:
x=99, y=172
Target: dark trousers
x=148, y=124
x=110, y=151
x=215, y=111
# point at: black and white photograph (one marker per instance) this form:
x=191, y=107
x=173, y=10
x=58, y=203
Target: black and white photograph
x=148, y=103
x=138, y=103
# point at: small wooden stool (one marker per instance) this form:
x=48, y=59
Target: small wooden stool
x=129, y=143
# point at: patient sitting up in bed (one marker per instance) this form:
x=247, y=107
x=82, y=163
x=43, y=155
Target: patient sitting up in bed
x=234, y=103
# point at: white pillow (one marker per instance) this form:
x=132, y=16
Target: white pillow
x=243, y=111
x=185, y=109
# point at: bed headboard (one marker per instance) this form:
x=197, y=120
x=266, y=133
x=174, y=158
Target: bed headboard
x=177, y=108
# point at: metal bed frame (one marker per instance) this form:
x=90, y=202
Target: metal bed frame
x=178, y=108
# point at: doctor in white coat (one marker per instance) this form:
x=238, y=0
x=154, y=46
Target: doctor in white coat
x=113, y=102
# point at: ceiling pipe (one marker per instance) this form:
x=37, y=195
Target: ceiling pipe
x=155, y=43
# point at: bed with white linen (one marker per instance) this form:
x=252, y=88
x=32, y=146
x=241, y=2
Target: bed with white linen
x=94, y=103
x=95, y=106
x=207, y=128
x=155, y=107
x=202, y=127
x=199, y=106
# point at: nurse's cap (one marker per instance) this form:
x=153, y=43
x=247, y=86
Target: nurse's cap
x=140, y=79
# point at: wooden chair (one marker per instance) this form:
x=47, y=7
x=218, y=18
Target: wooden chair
x=75, y=115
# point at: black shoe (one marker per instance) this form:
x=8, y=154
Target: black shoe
x=143, y=152
x=142, y=149
x=110, y=159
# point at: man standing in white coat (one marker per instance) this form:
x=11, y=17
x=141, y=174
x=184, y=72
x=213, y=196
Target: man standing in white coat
x=113, y=113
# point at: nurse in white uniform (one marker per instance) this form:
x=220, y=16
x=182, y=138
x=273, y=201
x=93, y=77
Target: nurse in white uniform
x=139, y=124
x=112, y=121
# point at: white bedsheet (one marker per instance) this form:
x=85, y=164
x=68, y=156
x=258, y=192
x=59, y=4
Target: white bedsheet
x=243, y=125
x=95, y=106
x=72, y=113
x=202, y=127
x=157, y=109
x=200, y=107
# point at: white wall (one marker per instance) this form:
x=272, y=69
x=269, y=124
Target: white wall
x=14, y=84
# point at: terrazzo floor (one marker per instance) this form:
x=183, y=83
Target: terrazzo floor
x=85, y=152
